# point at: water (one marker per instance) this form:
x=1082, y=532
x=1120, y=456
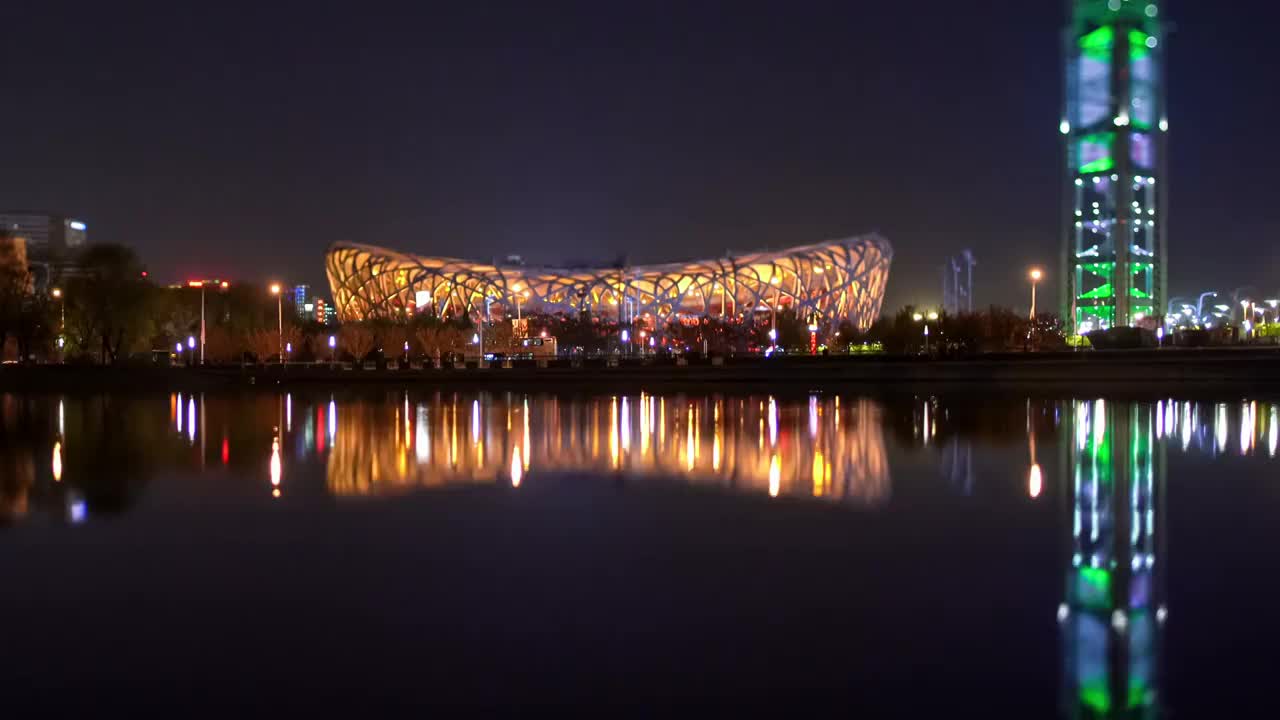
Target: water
x=898, y=554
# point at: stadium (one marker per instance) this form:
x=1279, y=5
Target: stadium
x=825, y=283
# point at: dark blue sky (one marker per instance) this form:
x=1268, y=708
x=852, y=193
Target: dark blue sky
x=240, y=140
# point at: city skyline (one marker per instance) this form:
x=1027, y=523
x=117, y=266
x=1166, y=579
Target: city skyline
x=689, y=134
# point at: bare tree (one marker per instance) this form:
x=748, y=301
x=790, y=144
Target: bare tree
x=357, y=340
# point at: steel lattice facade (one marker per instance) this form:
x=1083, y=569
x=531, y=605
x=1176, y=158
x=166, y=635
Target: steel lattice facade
x=1114, y=251
x=826, y=283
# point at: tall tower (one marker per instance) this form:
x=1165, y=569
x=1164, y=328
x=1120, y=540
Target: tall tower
x=1114, y=254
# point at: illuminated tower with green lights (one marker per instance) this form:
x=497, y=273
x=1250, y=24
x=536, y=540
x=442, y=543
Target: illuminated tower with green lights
x=1114, y=254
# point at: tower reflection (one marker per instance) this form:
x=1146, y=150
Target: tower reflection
x=823, y=449
x=1113, y=613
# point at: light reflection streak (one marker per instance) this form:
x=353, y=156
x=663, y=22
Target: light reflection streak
x=57, y=461
x=849, y=465
x=288, y=412
x=191, y=420
x=775, y=476
x=275, y=468
x=422, y=443
x=1273, y=431
x=1220, y=428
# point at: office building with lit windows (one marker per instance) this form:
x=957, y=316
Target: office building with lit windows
x=1114, y=251
x=48, y=236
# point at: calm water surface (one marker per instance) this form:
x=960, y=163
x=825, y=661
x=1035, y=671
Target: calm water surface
x=1039, y=557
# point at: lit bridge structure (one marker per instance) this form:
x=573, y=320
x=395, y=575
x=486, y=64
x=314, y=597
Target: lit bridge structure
x=826, y=283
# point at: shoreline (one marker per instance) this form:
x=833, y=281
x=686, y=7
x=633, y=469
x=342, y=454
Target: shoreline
x=1171, y=370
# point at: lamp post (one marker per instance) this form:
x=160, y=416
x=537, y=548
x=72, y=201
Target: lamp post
x=932, y=316
x=62, y=322
x=275, y=290
x=1035, y=280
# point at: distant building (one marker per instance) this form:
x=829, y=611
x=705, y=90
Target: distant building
x=300, y=303
x=49, y=236
x=323, y=312
x=13, y=254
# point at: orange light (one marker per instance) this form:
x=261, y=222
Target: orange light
x=225, y=284
x=275, y=288
x=195, y=283
x=57, y=292
x=1036, y=274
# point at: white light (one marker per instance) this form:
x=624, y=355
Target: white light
x=333, y=342
x=191, y=342
x=76, y=225
x=1119, y=621
x=1064, y=127
x=1164, y=125
x=1079, y=182
x=1162, y=614
x=1152, y=10
x=1113, y=5
x=1151, y=41
x=626, y=336
x=1063, y=612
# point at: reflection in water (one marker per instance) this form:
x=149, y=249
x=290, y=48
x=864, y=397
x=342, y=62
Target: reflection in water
x=1112, y=616
x=749, y=444
x=57, y=461
x=275, y=466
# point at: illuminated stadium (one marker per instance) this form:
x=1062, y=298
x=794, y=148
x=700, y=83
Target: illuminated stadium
x=823, y=283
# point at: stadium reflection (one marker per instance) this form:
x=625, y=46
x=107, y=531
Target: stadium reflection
x=829, y=447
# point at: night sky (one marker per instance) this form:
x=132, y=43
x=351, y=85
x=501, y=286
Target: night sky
x=240, y=140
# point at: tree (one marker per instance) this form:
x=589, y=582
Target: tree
x=15, y=283
x=111, y=301
x=357, y=340
x=440, y=340
x=268, y=343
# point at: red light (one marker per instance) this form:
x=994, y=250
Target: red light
x=144, y=273
x=226, y=451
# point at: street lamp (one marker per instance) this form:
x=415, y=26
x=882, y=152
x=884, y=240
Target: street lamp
x=932, y=316
x=1035, y=280
x=333, y=345
x=275, y=290
x=62, y=319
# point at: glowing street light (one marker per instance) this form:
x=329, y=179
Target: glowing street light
x=1035, y=280
x=62, y=317
x=333, y=345
x=275, y=290
x=926, y=318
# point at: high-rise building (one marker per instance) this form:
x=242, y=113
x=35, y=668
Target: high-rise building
x=1114, y=255
x=49, y=236
x=300, y=300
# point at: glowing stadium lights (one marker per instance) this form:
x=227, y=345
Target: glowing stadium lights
x=843, y=279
